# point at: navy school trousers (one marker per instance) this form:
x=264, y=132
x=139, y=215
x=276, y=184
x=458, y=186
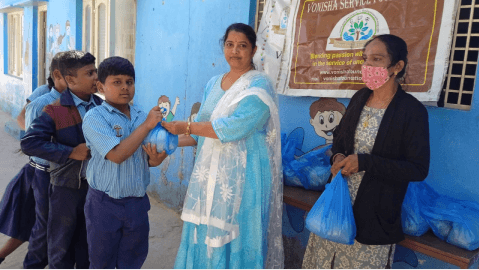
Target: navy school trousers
x=17, y=208
x=117, y=230
x=66, y=232
x=37, y=256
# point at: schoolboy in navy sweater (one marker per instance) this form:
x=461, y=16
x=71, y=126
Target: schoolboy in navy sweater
x=57, y=136
x=116, y=207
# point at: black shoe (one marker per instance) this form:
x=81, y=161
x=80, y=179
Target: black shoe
x=1, y=260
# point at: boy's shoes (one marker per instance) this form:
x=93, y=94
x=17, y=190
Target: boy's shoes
x=1, y=260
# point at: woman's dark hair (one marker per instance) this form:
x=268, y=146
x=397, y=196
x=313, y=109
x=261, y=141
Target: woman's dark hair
x=397, y=50
x=247, y=30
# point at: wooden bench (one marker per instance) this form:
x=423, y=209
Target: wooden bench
x=427, y=244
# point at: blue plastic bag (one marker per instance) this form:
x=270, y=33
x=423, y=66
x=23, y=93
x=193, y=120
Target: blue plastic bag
x=465, y=227
x=413, y=223
x=164, y=140
x=310, y=170
x=332, y=215
x=435, y=209
x=313, y=168
x=288, y=150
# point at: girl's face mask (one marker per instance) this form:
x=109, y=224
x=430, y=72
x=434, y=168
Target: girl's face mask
x=374, y=77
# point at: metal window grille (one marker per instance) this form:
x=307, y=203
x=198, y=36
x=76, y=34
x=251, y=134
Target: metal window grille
x=259, y=12
x=459, y=83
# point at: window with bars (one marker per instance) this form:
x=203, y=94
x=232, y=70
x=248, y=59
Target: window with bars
x=259, y=13
x=97, y=30
x=461, y=74
x=15, y=43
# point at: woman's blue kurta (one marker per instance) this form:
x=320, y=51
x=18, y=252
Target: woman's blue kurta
x=247, y=122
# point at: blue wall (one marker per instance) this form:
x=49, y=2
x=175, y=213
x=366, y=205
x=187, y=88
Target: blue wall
x=58, y=13
x=177, y=52
x=13, y=90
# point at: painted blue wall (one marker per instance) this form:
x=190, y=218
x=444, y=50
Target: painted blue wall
x=13, y=90
x=58, y=13
x=177, y=52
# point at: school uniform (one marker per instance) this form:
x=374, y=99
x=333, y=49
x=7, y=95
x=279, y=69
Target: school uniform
x=116, y=208
x=66, y=233
x=37, y=256
x=38, y=92
x=17, y=207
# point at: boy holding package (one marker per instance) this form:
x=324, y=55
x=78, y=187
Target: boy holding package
x=116, y=207
x=56, y=135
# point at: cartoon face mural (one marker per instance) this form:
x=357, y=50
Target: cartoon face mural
x=165, y=105
x=326, y=113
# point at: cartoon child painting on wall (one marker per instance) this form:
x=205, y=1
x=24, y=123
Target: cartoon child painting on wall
x=326, y=113
x=69, y=40
x=57, y=39
x=165, y=105
x=194, y=111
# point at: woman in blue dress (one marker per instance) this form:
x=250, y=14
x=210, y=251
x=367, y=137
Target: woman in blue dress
x=233, y=206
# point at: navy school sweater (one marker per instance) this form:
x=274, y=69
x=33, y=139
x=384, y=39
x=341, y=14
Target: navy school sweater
x=53, y=135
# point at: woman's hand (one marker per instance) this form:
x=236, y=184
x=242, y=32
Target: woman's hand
x=154, y=158
x=175, y=127
x=336, y=160
x=349, y=165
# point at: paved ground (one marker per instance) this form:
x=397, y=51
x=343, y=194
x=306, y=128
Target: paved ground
x=165, y=224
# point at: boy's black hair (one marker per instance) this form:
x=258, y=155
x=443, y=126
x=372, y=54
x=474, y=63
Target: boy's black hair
x=72, y=61
x=113, y=66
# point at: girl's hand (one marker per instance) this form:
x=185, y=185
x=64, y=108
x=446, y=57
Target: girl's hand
x=175, y=127
x=154, y=158
x=349, y=165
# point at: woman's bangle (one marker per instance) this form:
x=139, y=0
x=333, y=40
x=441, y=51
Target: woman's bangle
x=188, y=130
x=334, y=157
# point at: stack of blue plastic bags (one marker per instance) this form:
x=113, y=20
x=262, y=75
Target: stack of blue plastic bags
x=163, y=140
x=455, y=221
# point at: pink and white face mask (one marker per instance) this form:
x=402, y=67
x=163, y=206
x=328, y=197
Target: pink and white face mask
x=374, y=77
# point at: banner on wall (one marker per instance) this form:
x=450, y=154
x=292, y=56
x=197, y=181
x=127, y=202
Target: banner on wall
x=314, y=47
